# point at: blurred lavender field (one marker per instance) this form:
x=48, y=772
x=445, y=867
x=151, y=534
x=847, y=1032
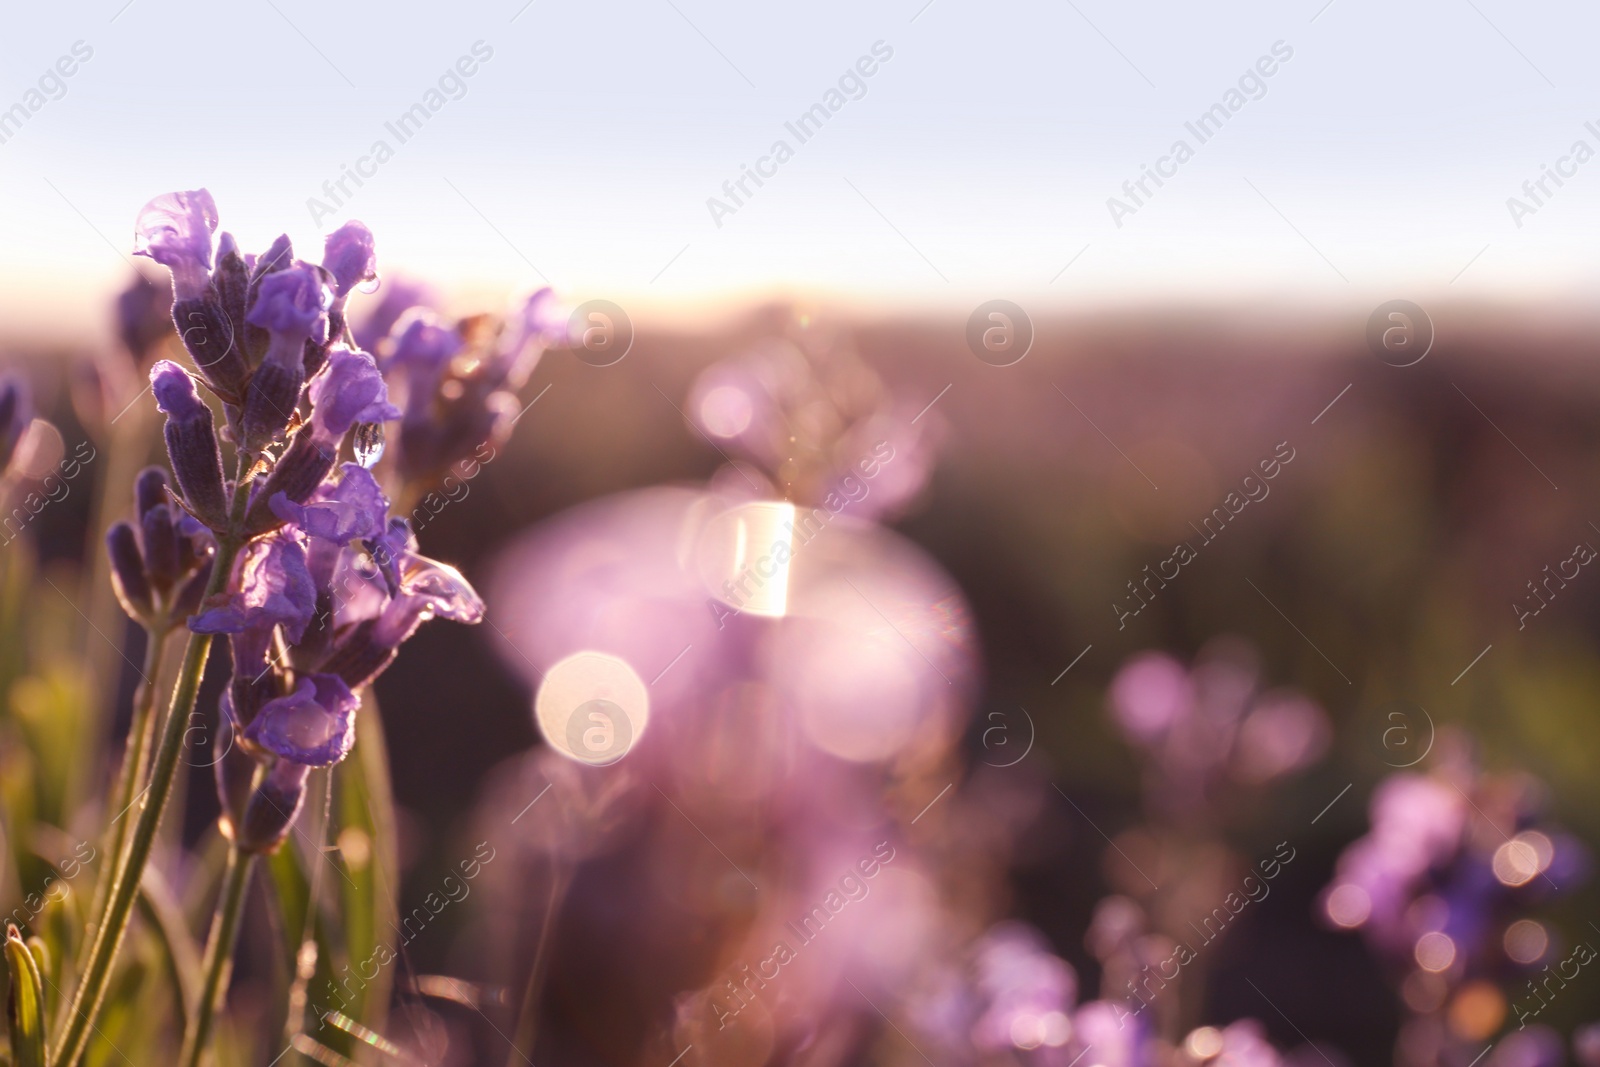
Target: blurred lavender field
x=1197, y=689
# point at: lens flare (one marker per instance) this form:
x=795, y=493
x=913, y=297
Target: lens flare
x=743, y=556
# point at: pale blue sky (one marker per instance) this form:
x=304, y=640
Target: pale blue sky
x=978, y=163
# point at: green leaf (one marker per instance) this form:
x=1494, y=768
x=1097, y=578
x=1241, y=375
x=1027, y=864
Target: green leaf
x=352, y=919
x=292, y=893
x=25, y=1006
x=368, y=850
x=165, y=921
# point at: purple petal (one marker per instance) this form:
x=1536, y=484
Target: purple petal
x=444, y=591
x=295, y=302
x=271, y=587
x=347, y=391
x=354, y=509
x=314, y=726
x=175, y=230
x=348, y=256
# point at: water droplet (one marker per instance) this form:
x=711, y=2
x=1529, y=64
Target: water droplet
x=370, y=285
x=369, y=444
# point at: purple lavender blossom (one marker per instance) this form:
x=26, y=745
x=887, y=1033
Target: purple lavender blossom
x=460, y=383
x=349, y=390
x=143, y=316
x=350, y=510
x=348, y=256
x=398, y=296
x=324, y=587
x=271, y=809
x=175, y=230
x=270, y=587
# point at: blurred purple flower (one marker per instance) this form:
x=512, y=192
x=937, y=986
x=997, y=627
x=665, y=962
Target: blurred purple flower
x=16, y=414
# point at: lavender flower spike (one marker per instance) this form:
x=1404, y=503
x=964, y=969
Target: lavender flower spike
x=191, y=444
x=175, y=230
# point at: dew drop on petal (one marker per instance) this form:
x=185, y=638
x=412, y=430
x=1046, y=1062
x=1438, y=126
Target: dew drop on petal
x=368, y=444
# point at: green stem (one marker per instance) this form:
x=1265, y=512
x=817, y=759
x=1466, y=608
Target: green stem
x=219, y=955
x=141, y=732
x=125, y=889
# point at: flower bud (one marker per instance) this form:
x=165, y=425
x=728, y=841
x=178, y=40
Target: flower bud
x=191, y=444
x=210, y=339
x=149, y=489
x=144, y=316
x=128, y=576
x=235, y=770
x=296, y=475
x=272, y=808
x=160, y=547
x=231, y=283
x=270, y=400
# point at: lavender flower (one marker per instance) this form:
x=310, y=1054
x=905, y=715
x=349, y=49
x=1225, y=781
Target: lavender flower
x=324, y=586
x=397, y=297
x=175, y=230
x=460, y=383
x=143, y=316
x=1204, y=725
x=313, y=726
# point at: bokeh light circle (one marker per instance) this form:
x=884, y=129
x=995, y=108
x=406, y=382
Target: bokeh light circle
x=1435, y=951
x=1526, y=941
x=592, y=707
x=1348, y=906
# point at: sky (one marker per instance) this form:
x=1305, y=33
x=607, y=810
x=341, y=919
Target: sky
x=978, y=160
